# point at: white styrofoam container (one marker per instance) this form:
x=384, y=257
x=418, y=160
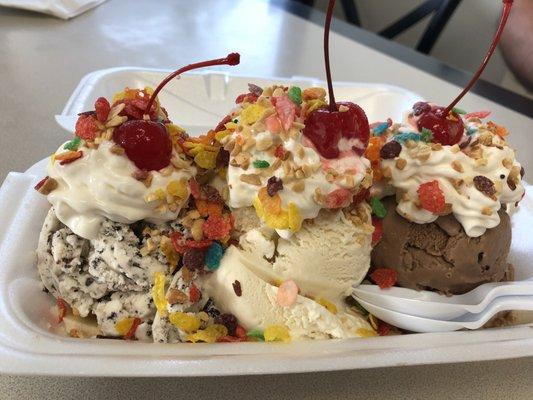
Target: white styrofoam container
x=199, y=101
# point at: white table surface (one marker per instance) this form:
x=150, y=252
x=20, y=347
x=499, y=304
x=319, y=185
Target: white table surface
x=41, y=61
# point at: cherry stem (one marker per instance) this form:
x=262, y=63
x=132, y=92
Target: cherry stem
x=230, y=59
x=329, y=16
x=507, y=4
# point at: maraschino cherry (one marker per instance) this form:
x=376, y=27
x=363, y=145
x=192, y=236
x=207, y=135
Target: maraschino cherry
x=325, y=127
x=147, y=142
x=445, y=124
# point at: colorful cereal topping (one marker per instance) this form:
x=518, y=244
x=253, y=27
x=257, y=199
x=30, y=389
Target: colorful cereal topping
x=384, y=277
x=431, y=197
x=127, y=327
x=73, y=144
x=378, y=230
x=295, y=94
x=295, y=219
x=287, y=293
x=211, y=334
x=277, y=333
x=378, y=209
x=257, y=334
x=187, y=322
x=328, y=305
x=214, y=254
x=158, y=293
x=362, y=332
x=216, y=227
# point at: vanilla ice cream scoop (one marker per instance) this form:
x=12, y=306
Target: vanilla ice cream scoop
x=256, y=307
x=101, y=184
x=326, y=258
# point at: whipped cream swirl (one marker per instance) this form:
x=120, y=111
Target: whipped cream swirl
x=101, y=185
x=483, y=154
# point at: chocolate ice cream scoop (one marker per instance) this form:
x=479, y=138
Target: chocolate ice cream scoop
x=440, y=255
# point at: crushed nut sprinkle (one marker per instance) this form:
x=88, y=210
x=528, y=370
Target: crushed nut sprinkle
x=401, y=163
x=252, y=179
x=457, y=166
x=298, y=186
x=486, y=211
x=507, y=163
x=116, y=149
x=457, y=183
x=175, y=296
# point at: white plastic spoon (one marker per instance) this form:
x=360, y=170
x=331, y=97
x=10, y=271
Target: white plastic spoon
x=428, y=304
x=468, y=321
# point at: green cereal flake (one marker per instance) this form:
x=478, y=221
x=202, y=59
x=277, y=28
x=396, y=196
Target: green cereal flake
x=256, y=333
x=261, y=164
x=378, y=209
x=426, y=135
x=73, y=144
x=295, y=94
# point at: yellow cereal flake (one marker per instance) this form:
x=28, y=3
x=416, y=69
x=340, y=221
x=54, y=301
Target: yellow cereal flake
x=279, y=221
x=124, y=325
x=295, y=219
x=156, y=195
x=158, y=292
x=251, y=114
x=174, y=129
x=209, y=334
x=315, y=104
x=170, y=253
x=186, y=322
x=328, y=305
x=277, y=333
x=362, y=332
x=230, y=125
x=222, y=134
x=178, y=189
x=196, y=149
x=270, y=204
x=206, y=159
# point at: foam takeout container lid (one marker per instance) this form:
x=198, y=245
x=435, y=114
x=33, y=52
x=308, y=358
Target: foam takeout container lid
x=28, y=346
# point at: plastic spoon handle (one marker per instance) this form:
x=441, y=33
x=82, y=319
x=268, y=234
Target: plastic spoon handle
x=519, y=288
x=509, y=303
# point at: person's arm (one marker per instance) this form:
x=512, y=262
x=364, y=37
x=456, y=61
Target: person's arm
x=517, y=42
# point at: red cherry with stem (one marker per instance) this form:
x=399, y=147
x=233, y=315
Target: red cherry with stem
x=325, y=127
x=446, y=130
x=147, y=142
x=446, y=125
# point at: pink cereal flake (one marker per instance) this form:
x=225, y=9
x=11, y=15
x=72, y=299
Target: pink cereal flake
x=287, y=293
